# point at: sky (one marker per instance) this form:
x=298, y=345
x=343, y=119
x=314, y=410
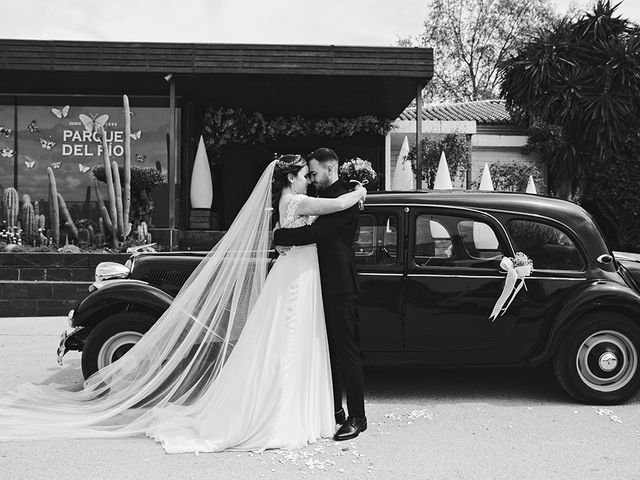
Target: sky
x=316, y=22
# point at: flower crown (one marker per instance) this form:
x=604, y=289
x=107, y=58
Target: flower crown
x=282, y=165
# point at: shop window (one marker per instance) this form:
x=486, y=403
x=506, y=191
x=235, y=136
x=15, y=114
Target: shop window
x=39, y=132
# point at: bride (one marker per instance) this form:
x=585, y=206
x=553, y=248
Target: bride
x=240, y=359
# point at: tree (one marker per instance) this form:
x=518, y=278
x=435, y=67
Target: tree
x=577, y=86
x=471, y=38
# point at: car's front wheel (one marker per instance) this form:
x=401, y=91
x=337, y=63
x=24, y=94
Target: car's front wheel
x=599, y=359
x=112, y=338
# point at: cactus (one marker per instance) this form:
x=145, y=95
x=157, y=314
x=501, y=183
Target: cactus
x=36, y=209
x=54, y=212
x=86, y=207
x=102, y=229
x=28, y=219
x=67, y=216
x=92, y=235
x=11, y=207
x=41, y=222
x=127, y=167
x=113, y=213
x=143, y=233
x=118, y=190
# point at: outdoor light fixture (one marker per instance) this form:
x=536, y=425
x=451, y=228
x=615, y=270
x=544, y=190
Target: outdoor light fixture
x=168, y=77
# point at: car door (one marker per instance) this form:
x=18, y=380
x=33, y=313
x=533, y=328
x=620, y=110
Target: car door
x=453, y=282
x=379, y=248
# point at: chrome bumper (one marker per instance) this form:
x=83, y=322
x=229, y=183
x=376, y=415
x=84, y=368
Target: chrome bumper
x=62, y=346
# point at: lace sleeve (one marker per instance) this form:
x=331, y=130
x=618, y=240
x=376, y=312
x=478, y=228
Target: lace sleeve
x=292, y=206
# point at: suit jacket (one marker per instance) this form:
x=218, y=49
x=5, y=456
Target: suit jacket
x=334, y=234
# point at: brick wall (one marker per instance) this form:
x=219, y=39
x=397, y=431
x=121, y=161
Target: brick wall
x=38, y=284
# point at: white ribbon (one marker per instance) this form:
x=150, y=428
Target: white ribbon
x=510, y=290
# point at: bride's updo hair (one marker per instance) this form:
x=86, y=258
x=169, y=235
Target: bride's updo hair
x=285, y=165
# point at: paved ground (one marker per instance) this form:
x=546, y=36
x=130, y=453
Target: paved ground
x=423, y=424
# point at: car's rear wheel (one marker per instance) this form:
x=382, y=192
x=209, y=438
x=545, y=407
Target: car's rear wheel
x=599, y=361
x=112, y=338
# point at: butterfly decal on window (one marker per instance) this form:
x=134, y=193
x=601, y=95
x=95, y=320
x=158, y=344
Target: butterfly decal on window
x=56, y=164
x=61, y=112
x=5, y=131
x=91, y=123
x=47, y=144
x=136, y=135
x=83, y=168
x=140, y=157
x=30, y=163
x=33, y=127
x=7, y=152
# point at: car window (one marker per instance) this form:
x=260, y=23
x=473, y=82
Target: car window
x=548, y=247
x=455, y=241
x=432, y=238
x=377, y=239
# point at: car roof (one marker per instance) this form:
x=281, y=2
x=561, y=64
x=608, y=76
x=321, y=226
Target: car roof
x=525, y=203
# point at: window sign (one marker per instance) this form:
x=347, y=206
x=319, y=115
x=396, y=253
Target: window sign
x=64, y=137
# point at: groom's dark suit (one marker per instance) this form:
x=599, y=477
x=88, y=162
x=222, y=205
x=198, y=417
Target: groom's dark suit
x=334, y=235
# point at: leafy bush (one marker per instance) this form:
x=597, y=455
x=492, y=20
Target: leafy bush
x=457, y=148
x=512, y=176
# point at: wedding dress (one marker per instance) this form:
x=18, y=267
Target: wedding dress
x=236, y=362
x=275, y=389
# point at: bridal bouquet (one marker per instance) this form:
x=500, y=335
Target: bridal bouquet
x=359, y=171
x=517, y=267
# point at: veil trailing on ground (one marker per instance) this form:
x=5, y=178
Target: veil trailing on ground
x=176, y=361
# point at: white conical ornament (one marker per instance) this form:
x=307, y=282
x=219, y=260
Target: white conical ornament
x=531, y=186
x=443, y=179
x=485, y=181
x=201, y=193
x=403, y=178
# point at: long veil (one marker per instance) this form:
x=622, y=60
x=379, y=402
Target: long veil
x=176, y=361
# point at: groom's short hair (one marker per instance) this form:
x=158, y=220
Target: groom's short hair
x=323, y=155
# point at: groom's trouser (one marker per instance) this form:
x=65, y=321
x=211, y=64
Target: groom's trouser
x=341, y=314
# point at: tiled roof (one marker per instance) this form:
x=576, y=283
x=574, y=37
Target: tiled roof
x=482, y=111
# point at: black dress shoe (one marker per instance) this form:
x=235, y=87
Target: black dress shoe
x=351, y=428
x=340, y=417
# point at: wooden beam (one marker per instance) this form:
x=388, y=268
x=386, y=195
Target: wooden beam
x=418, y=135
x=171, y=167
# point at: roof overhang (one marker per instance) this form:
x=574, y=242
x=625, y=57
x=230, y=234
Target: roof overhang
x=315, y=81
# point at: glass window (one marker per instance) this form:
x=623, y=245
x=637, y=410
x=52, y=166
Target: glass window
x=377, y=239
x=455, y=241
x=7, y=145
x=432, y=239
x=63, y=136
x=548, y=247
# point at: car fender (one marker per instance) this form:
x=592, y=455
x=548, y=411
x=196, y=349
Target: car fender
x=117, y=295
x=600, y=295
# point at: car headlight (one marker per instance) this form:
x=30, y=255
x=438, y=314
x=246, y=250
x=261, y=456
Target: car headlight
x=110, y=270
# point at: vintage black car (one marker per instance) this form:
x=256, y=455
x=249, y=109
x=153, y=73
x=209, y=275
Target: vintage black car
x=429, y=265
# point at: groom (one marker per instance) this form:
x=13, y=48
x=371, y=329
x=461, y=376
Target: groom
x=334, y=235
